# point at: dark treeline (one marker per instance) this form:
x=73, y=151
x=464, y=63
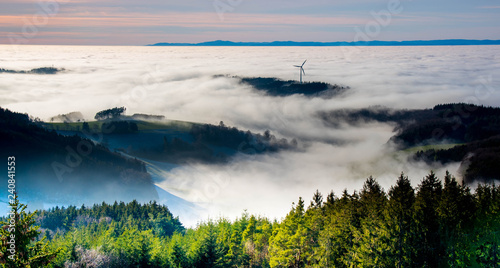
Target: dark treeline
x=437, y=224
x=481, y=158
x=110, y=113
x=400, y=118
x=457, y=122
x=460, y=123
x=476, y=127
x=22, y=136
x=214, y=144
x=117, y=127
x=177, y=150
x=277, y=87
x=42, y=70
x=243, y=141
x=58, y=221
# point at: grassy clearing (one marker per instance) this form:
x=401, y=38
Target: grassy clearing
x=174, y=125
x=429, y=147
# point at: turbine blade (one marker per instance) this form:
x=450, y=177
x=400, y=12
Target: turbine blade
x=297, y=66
x=303, y=71
x=304, y=63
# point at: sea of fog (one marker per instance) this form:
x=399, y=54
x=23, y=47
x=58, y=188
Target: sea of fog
x=179, y=83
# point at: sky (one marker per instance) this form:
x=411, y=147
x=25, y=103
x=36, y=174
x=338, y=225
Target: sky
x=131, y=22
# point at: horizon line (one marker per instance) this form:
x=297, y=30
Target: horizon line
x=432, y=42
x=429, y=42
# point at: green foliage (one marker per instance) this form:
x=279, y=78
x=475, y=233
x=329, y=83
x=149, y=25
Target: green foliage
x=110, y=113
x=427, y=222
x=400, y=222
x=288, y=244
x=371, y=239
x=434, y=225
x=209, y=252
x=19, y=244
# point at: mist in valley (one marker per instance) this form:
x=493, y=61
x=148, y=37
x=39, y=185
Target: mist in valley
x=179, y=84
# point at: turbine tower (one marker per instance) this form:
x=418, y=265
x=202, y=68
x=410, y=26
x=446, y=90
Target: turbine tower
x=301, y=70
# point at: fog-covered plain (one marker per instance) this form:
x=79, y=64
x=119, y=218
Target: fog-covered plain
x=178, y=82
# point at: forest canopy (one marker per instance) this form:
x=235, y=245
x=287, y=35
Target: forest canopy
x=439, y=223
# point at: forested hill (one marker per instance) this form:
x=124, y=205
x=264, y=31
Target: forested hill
x=52, y=166
x=281, y=88
x=440, y=223
x=178, y=142
x=474, y=129
x=207, y=143
x=42, y=70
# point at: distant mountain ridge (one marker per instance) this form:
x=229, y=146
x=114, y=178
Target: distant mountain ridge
x=446, y=42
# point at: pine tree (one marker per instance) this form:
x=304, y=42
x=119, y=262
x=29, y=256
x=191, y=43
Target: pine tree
x=287, y=246
x=210, y=253
x=248, y=240
x=487, y=224
x=337, y=237
x=18, y=235
x=177, y=254
x=428, y=248
x=373, y=199
x=456, y=209
x=314, y=220
x=371, y=240
x=400, y=221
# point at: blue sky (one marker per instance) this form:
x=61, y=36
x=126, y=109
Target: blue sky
x=127, y=22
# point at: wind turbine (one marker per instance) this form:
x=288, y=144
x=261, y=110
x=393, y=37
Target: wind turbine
x=301, y=70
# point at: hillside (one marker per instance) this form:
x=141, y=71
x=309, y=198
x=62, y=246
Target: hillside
x=177, y=142
x=42, y=70
x=280, y=88
x=58, y=169
x=475, y=128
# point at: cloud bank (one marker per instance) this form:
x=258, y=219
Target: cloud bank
x=178, y=82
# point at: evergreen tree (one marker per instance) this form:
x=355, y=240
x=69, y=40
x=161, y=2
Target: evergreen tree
x=487, y=224
x=18, y=235
x=85, y=127
x=248, y=239
x=287, y=246
x=428, y=248
x=337, y=238
x=400, y=221
x=209, y=253
x=314, y=221
x=177, y=253
x=430, y=227
x=371, y=247
x=372, y=200
x=456, y=209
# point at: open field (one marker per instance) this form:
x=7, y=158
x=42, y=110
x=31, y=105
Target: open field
x=174, y=125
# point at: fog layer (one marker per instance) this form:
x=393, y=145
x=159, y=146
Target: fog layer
x=178, y=82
